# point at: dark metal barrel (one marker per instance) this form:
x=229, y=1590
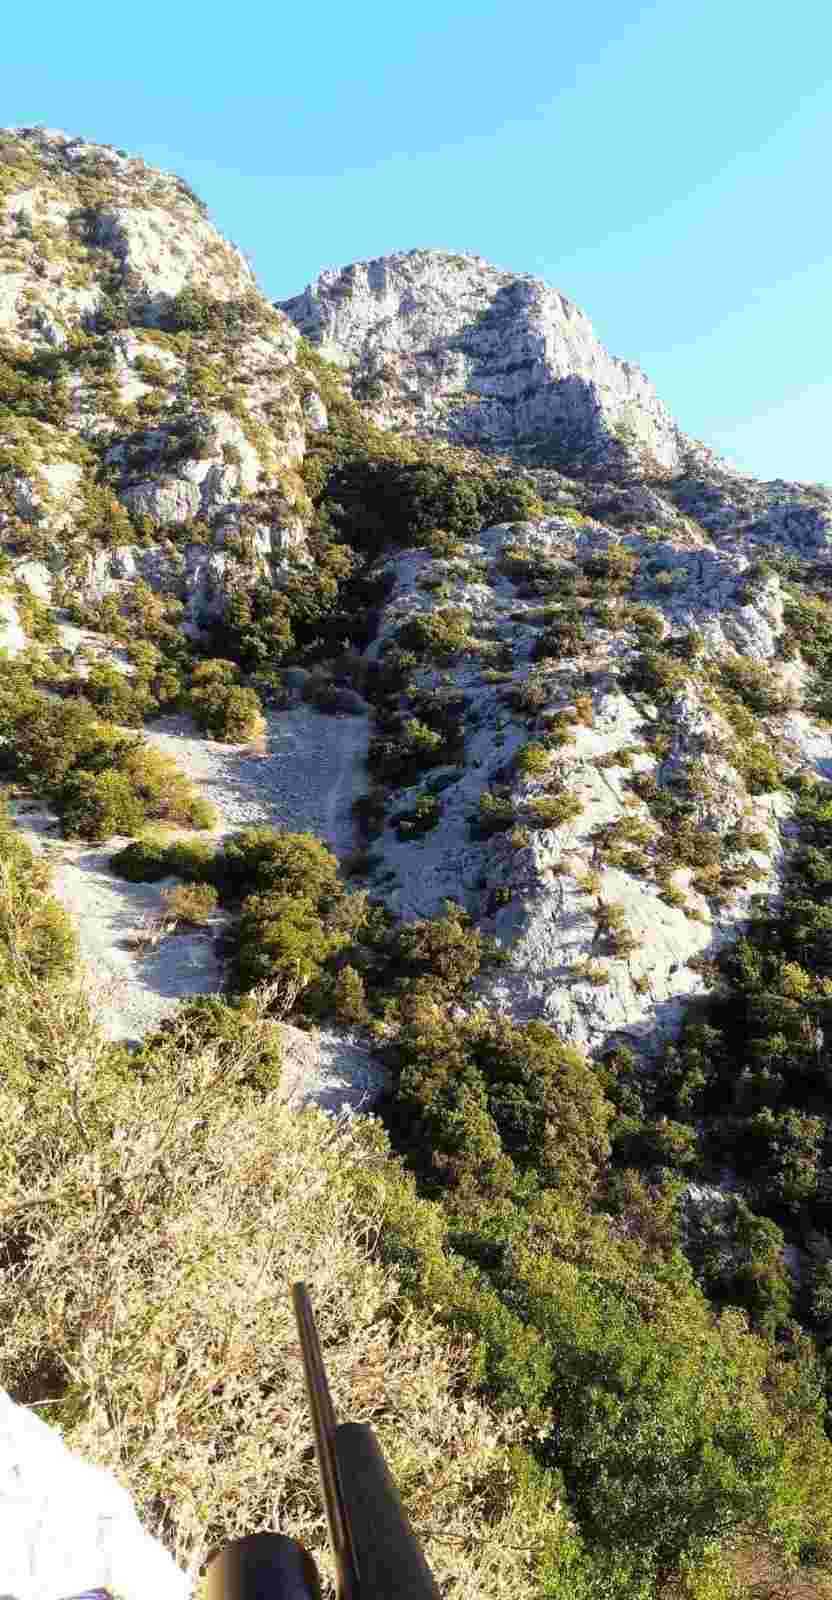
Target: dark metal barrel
x=263, y=1566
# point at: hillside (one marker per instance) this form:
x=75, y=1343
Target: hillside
x=407, y=713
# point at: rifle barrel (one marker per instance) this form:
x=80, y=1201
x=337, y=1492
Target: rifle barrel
x=323, y=1427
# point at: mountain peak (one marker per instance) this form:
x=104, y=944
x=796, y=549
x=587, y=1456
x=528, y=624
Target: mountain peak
x=447, y=344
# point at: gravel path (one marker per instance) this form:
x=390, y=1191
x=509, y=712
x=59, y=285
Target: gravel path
x=312, y=768
x=306, y=779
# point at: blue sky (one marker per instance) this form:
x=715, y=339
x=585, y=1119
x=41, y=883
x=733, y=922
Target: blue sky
x=666, y=165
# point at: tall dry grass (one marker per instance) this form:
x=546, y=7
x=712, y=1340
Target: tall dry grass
x=150, y=1226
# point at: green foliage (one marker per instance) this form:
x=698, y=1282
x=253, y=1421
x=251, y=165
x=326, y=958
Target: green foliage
x=349, y=998
x=95, y=805
x=657, y=674
x=152, y=857
x=282, y=939
x=123, y=699
x=407, y=745
x=295, y=915
x=259, y=860
x=99, y=779
x=436, y=958
x=532, y=761
x=481, y=1101
x=566, y=636
x=496, y=814
x=612, y=570
x=553, y=810
x=190, y=903
x=756, y=685
x=382, y=498
x=37, y=938
x=440, y=635
x=193, y=310
x=221, y=706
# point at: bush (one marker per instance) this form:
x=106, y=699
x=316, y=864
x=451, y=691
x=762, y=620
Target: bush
x=122, y=698
x=95, y=805
x=221, y=706
x=479, y=1101
x=100, y=780
x=349, y=998
x=657, y=674
x=439, y=956
x=381, y=500
x=37, y=937
x=258, y=860
x=423, y=816
x=148, y=859
x=755, y=685
x=496, y=813
x=532, y=761
x=282, y=940
x=553, y=810
x=166, y=793
x=191, y=903
x=564, y=637
x=441, y=635
x=141, y=1228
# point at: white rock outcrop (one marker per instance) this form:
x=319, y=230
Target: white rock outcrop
x=451, y=345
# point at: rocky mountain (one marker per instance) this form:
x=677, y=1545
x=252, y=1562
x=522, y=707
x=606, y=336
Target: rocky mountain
x=409, y=564
x=450, y=346
x=158, y=421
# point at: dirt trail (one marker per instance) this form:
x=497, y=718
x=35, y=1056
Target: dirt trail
x=311, y=770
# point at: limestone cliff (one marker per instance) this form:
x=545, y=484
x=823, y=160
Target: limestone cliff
x=451, y=346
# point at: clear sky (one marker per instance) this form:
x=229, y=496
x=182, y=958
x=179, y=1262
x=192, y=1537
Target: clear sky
x=666, y=165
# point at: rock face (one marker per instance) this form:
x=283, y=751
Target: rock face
x=67, y=1527
x=450, y=345
x=168, y=400
x=658, y=790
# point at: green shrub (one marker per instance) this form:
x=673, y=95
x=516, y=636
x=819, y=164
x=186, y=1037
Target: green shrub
x=553, y=810
x=440, y=635
x=755, y=685
x=496, y=813
x=221, y=706
x=423, y=816
x=141, y=861
x=37, y=937
x=152, y=857
x=564, y=637
x=406, y=745
x=657, y=674
x=483, y=1099
x=120, y=697
x=532, y=761
x=438, y=956
x=259, y=860
x=95, y=805
x=282, y=940
x=349, y=998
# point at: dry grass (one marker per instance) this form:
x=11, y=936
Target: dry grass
x=150, y=1229
x=191, y=904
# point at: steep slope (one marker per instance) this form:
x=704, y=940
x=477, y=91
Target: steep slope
x=470, y=591
x=148, y=389
x=608, y=658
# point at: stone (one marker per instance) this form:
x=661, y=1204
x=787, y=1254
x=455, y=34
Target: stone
x=452, y=346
